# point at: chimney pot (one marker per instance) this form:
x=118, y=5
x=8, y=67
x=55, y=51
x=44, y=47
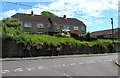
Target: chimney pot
x=64, y=17
x=31, y=12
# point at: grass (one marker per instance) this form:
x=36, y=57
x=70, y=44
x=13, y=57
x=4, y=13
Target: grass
x=37, y=39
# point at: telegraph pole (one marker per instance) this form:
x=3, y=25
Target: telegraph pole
x=112, y=29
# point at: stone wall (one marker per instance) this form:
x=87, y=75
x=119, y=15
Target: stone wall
x=87, y=49
x=11, y=49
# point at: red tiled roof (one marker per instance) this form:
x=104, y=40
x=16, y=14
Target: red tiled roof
x=104, y=32
x=45, y=19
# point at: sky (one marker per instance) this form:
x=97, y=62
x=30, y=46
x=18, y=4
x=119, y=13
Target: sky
x=95, y=14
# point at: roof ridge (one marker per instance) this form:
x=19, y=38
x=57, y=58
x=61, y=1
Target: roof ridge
x=44, y=18
x=48, y=16
x=105, y=30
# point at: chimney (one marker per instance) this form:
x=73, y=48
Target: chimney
x=64, y=17
x=50, y=20
x=32, y=13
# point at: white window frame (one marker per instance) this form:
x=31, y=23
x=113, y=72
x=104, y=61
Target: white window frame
x=27, y=25
x=76, y=28
x=82, y=28
x=40, y=25
x=66, y=27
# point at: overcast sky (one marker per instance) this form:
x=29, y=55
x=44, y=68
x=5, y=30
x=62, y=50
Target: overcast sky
x=95, y=14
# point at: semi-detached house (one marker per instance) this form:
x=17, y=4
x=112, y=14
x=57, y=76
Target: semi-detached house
x=49, y=25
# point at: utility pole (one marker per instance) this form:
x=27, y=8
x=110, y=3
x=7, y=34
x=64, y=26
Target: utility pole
x=112, y=29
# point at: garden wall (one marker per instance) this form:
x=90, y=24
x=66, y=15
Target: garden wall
x=11, y=49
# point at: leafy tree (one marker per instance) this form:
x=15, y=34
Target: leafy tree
x=11, y=27
x=12, y=22
x=48, y=13
x=88, y=35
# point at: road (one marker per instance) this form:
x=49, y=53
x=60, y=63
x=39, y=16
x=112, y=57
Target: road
x=73, y=66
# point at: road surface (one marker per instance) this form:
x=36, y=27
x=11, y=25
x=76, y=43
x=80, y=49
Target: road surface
x=72, y=66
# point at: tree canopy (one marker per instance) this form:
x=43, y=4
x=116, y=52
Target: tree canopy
x=10, y=27
x=88, y=35
x=48, y=13
x=12, y=22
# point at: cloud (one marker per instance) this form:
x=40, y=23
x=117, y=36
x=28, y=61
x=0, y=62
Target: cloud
x=95, y=14
x=85, y=16
x=24, y=10
x=88, y=22
x=8, y=13
x=98, y=21
x=72, y=8
x=85, y=8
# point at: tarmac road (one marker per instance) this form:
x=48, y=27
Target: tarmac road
x=71, y=66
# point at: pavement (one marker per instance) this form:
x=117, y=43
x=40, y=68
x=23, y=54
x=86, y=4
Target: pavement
x=54, y=57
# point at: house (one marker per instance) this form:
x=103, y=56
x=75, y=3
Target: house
x=107, y=33
x=48, y=24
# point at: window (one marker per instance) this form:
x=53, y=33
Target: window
x=40, y=26
x=82, y=34
x=27, y=31
x=49, y=26
x=58, y=27
x=82, y=28
x=27, y=25
x=39, y=32
x=66, y=27
x=76, y=28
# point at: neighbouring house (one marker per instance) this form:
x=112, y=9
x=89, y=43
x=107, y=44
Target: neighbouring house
x=48, y=24
x=107, y=33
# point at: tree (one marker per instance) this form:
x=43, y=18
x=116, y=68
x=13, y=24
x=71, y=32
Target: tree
x=88, y=36
x=48, y=13
x=12, y=22
x=11, y=27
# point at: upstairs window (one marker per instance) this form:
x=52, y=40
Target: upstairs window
x=40, y=26
x=27, y=25
x=82, y=28
x=76, y=28
x=66, y=27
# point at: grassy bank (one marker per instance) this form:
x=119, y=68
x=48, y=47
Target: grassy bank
x=31, y=40
x=35, y=38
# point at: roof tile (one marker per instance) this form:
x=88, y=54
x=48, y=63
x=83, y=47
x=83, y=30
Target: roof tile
x=44, y=19
x=105, y=32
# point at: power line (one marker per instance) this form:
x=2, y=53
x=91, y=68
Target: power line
x=42, y=8
x=26, y=5
x=23, y=5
